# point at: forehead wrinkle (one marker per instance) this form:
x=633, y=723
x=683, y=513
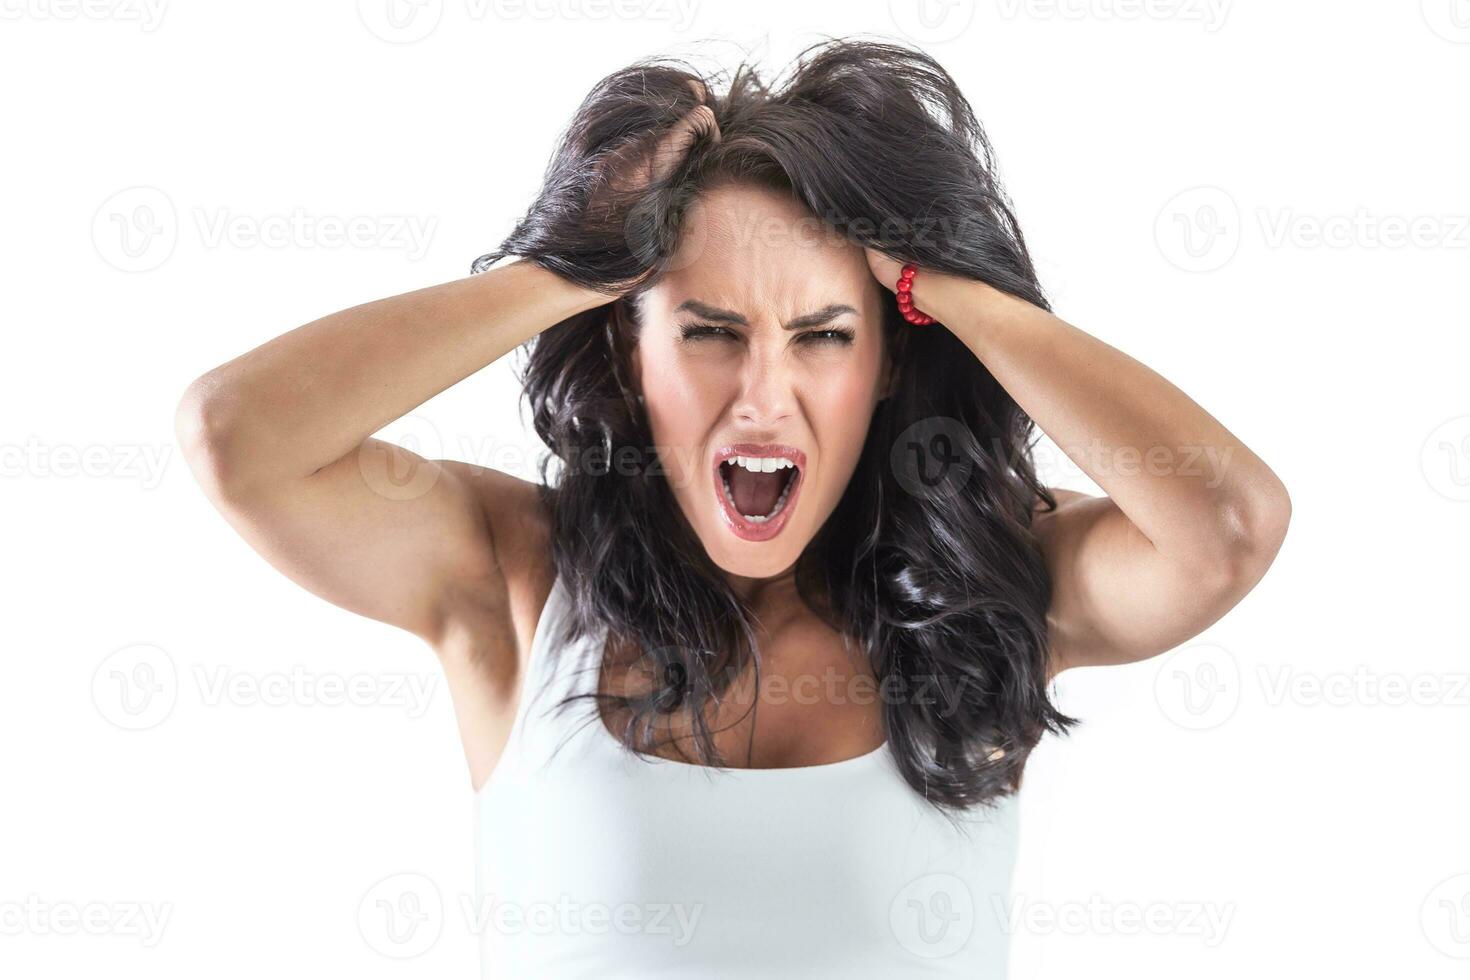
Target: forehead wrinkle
x=792, y=273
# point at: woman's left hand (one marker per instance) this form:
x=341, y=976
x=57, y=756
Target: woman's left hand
x=936, y=293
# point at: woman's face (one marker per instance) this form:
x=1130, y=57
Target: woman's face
x=762, y=349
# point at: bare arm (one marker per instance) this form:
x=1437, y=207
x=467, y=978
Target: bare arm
x=1192, y=518
x=279, y=439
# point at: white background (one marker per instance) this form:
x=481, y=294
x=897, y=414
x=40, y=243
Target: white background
x=1263, y=201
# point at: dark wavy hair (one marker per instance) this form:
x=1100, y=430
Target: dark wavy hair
x=929, y=560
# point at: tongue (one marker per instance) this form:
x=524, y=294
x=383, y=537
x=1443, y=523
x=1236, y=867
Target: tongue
x=755, y=493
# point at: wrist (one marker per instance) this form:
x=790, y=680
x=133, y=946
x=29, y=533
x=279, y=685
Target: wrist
x=972, y=309
x=566, y=297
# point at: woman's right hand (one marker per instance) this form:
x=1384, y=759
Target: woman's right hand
x=632, y=168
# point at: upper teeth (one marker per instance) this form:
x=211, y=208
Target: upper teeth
x=762, y=464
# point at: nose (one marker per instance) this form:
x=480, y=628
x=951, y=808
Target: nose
x=766, y=397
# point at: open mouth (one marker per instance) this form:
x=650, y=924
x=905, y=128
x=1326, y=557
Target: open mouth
x=758, y=487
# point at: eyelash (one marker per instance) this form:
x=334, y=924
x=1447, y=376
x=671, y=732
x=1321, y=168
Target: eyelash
x=835, y=335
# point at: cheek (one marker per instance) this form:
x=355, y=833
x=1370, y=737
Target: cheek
x=840, y=405
x=850, y=385
x=683, y=401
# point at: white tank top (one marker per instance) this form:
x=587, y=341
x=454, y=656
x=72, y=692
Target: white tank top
x=595, y=863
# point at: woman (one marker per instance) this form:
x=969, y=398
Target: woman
x=795, y=559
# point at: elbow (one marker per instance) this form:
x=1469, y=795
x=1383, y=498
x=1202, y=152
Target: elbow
x=1252, y=529
x=206, y=438
x=191, y=416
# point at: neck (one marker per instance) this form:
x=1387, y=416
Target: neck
x=766, y=592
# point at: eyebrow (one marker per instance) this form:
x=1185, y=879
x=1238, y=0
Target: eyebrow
x=829, y=312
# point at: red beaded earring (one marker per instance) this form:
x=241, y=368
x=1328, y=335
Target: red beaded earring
x=905, y=290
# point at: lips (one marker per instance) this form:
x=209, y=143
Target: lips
x=758, y=491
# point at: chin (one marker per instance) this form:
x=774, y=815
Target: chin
x=753, y=561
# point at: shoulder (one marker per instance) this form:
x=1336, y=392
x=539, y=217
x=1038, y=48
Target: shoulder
x=1045, y=520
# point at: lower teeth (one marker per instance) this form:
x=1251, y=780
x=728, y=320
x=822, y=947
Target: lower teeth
x=780, y=501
